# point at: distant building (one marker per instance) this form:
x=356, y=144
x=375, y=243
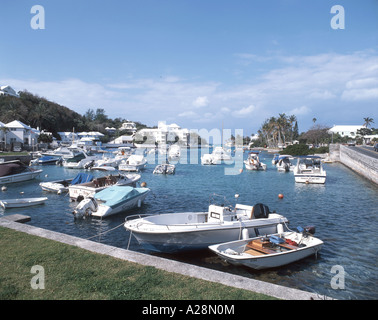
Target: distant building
x=110, y=131
x=166, y=133
x=129, y=127
x=8, y=91
x=346, y=131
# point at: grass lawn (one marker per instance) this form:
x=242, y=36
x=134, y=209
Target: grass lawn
x=73, y=273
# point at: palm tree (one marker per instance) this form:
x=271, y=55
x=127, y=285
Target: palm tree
x=368, y=122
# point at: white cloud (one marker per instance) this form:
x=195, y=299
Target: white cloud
x=201, y=102
x=303, y=110
x=325, y=85
x=243, y=112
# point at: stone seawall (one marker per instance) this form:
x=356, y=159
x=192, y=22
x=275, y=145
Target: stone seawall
x=358, y=162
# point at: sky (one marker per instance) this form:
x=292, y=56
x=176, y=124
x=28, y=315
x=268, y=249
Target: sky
x=201, y=64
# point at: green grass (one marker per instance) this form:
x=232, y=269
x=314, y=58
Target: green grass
x=76, y=274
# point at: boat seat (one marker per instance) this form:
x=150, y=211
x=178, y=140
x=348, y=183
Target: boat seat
x=260, y=248
x=254, y=252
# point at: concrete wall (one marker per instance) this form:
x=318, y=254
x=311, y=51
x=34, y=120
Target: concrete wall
x=358, y=162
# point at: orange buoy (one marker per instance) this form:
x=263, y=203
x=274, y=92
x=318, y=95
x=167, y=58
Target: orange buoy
x=280, y=196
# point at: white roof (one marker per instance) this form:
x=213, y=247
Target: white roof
x=17, y=124
x=346, y=128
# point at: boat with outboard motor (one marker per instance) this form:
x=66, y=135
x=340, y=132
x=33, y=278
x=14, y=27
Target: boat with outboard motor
x=172, y=232
x=110, y=201
x=253, y=162
x=271, y=251
x=283, y=164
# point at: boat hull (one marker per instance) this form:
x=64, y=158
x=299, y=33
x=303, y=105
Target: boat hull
x=316, y=179
x=231, y=252
x=23, y=202
x=104, y=211
x=186, y=237
x=20, y=177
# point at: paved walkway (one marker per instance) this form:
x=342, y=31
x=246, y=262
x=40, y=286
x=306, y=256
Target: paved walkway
x=165, y=264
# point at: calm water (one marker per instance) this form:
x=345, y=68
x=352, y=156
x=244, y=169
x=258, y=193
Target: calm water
x=344, y=211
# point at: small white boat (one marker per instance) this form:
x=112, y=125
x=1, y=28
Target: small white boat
x=220, y=154
x=16, y=171
x=135, y=162
x=209, y=159
x=60, y=186
x=77, y=192
x=79, y=161
x=23, y=202
x=172, y=232
x=45, y=160
x=253, y=162
x=309, y=169
x=174, y=153
x=63, y=152
x=165, y=169
x=110, y=201
x=283, y=164
x=270, y=251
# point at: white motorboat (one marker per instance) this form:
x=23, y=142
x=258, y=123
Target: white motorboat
x=165, y=168
x=63, y=152
x=135, y=162
x=60, y=186
x=173, y=232
x=271, y=251
x=110, y=201
x=209, y=159
x=220, y=154
x=22, y=202
x=309, y=169
x=283, y=164
x=16, y=171
x=253, y=162
x=45, y=160
x=79, y=161
x=174, y=152
x=78, y=192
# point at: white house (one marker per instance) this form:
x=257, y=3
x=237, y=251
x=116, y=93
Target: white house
x=18, y=132
x=68, y=137
x=8, y=91
x=346, y=131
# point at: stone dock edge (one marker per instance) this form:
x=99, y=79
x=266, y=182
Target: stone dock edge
x=224, y=278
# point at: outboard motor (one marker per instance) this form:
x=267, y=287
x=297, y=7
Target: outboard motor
x=310, y=229
x=85, y=208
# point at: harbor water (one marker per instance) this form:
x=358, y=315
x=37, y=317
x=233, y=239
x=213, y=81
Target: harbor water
x=343, y=210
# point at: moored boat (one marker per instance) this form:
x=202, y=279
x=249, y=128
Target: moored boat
x=135, y=162
x=22, y=202
x=16, y=171
x=253, y=162
x=78, y=192
x=110, y=201
x=271, y=251
x=309, y=169
x=171, y=232
x=164, y=168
